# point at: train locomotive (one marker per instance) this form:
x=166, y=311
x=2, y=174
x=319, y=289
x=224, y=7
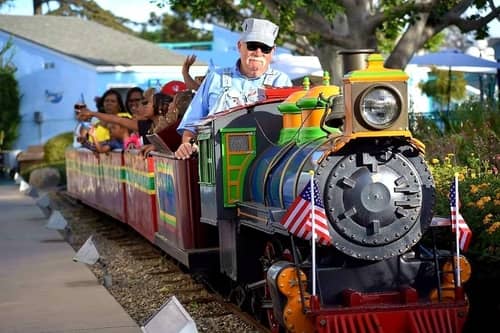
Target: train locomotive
x=225, y=207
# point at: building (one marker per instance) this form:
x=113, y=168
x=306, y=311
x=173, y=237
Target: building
x=63, y=60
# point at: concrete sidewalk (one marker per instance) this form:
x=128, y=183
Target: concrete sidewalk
x=41, y=288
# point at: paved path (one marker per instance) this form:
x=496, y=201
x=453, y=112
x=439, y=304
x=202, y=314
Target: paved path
x=41, y=288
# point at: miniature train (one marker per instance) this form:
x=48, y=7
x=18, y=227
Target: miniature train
x=224, y=208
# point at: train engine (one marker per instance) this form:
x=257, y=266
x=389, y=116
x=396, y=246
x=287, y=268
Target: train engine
x=376, y=191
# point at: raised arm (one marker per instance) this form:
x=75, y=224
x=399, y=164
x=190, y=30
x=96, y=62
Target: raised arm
x=131, y=124
x=188, y=79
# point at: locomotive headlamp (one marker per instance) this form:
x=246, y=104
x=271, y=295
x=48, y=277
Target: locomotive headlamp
x=380, y=107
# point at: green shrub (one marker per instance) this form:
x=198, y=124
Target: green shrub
x=473, y=129
x=10, y=118
x=479, y=193
x=55, y=147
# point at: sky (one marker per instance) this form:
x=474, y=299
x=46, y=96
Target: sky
x=138, y=10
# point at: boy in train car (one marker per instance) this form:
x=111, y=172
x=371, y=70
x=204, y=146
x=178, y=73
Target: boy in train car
x=118, y=136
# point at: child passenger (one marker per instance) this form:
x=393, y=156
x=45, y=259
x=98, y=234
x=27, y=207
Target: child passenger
x=118, y=136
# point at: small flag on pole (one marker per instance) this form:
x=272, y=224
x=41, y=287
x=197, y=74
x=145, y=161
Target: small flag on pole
x=297, y=219
x=464, y=232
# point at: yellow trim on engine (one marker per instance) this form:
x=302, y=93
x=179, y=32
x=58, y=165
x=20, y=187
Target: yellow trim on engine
x=339, y=141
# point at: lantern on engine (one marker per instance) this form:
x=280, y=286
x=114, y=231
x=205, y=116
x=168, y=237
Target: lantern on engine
x=376, y=101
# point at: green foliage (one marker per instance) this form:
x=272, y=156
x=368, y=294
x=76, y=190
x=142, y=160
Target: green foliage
x=10, y=117
x=444, y=86
x=468, y=144
x=473, y=129
x=479, y=190
x=172, y=28
x=54, y=148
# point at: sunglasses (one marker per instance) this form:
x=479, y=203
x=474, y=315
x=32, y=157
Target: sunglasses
x=253, y=46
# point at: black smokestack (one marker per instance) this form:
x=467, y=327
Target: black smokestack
x=355, y=59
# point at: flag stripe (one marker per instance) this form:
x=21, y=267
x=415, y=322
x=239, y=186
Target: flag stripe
x=464, y=232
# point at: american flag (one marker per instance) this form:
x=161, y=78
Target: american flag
x=464, y=232
x=298, y=221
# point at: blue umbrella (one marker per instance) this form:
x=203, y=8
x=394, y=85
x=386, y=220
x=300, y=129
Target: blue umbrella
x=456, y=60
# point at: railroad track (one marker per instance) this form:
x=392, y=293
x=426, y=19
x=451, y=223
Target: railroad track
x=143, y=278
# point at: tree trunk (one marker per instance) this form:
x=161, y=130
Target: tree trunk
x=412, y=40
x=37, y=7
x=331, y=61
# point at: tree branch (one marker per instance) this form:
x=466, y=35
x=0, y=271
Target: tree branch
x=466, y=25
x=425, y=6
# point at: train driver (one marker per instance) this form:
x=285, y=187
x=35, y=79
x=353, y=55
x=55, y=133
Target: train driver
x=225, y=88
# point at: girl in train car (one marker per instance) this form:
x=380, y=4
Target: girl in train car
x=173, y=113
x=110, y=103
x=119, y=135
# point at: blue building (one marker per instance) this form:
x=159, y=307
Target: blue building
x=62, y=60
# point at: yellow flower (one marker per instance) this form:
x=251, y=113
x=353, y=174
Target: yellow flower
x=484, y=186
x=450, y=154
x=486, y=199
x=488, y=218
x=474, y=188
x=496, y=202
x=435, y=161
x=493, y=227
x=461, y=177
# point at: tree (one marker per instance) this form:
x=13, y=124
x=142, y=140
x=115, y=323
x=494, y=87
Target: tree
x=10, y=117
x=440, y=86
x=324, y=27
x=88, y=9
x=168, y=28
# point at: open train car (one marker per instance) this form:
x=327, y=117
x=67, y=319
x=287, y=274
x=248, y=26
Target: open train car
x=226, y=208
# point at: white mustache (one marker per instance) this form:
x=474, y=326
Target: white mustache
x=262, y=60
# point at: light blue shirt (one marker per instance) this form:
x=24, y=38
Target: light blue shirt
x=242, y=90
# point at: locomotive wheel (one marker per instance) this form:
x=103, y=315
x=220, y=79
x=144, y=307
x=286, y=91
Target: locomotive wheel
x=273, y=251
x=378, y=198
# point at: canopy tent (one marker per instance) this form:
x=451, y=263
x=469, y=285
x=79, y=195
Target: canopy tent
x=455, y=60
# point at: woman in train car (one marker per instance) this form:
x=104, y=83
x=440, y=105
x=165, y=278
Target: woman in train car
x=110, y=103
x=133, y=100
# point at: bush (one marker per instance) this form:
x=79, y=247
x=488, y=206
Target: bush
x=10, y=118
x=55, y=147
x=473, y=129
x=479, y=193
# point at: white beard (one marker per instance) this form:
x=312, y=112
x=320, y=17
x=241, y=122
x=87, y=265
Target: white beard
x=262, y=60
